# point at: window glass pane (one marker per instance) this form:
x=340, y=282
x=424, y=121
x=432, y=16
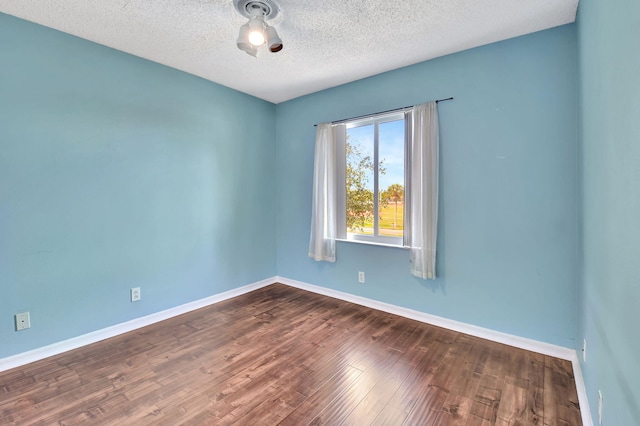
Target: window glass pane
x=359, y=179
x=391, y=178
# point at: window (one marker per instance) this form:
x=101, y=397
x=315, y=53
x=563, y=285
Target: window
x=371, y=180
x=357, y=174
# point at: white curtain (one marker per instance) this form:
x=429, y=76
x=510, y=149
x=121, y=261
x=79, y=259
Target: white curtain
x=423, y=146
x=322, y=243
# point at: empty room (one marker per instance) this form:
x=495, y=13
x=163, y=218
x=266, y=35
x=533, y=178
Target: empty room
x=344, y=213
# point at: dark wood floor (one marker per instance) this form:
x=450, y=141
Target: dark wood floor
x=284, y=356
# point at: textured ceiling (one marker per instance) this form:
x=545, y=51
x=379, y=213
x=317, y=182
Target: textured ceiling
x=326, y=42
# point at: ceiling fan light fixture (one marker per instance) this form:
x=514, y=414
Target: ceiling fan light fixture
x=256, y=32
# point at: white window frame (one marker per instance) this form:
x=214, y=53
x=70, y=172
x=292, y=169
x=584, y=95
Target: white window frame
x=341, y=169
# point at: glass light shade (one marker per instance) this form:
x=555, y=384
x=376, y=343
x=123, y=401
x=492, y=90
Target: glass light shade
x=256, y=31
x=243, y=42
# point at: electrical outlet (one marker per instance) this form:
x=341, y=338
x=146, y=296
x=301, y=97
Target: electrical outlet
x=584, y=350
x=23, y=321
x=135, y=294
x=599, y=407
x=361, y=277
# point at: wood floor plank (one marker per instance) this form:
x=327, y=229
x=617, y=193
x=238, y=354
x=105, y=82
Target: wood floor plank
x=550, y=398
x=455, y=411
x=273, y=410
x=535, y=391
x=488, y=396
x=340, y=409
x=388, y=416
x=284, y=356
x=513, y=404
x=369, y=410
x=317, y=402
x=428, y=406
x=478, y=421
x=559, y=379
x=419, y=381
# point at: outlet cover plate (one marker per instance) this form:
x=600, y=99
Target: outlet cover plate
x=23, y=321
x=135, y=294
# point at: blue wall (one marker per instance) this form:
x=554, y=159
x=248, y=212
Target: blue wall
x=117, y=172
x=508, y=231
x=610, y=132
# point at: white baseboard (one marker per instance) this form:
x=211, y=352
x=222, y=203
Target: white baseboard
x=496, y=336
x=115, y=330
x=485, y=333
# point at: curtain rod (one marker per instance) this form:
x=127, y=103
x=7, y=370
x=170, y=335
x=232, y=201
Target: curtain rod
x=381, y=112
